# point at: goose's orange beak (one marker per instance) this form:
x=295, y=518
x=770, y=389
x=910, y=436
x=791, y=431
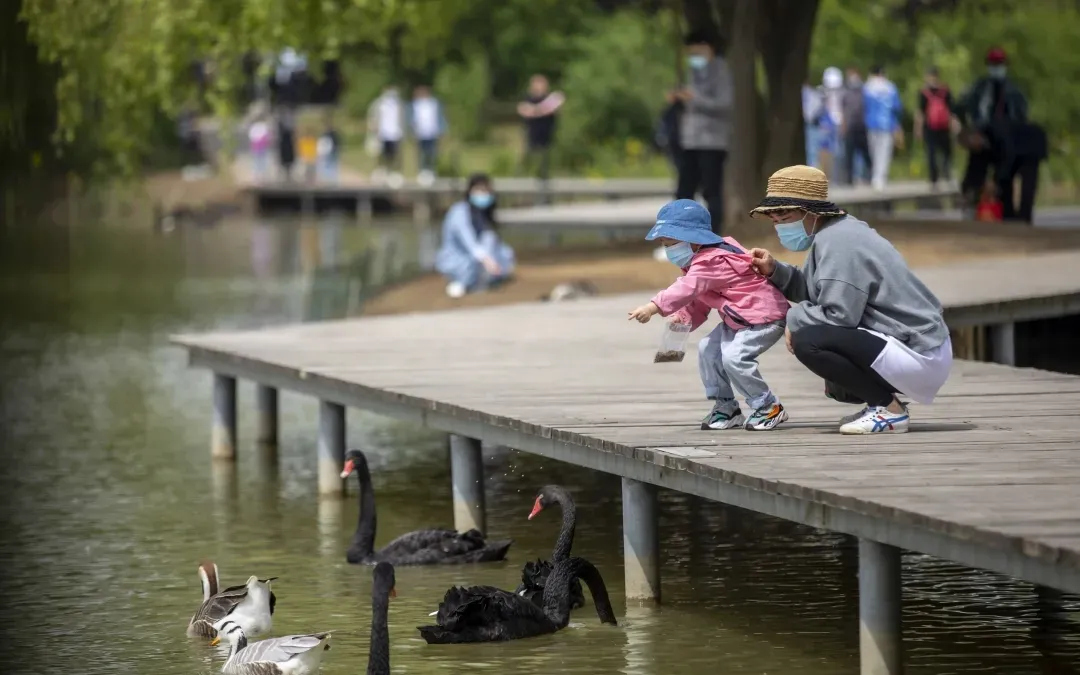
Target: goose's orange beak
x=537, y=508
x=215, y=642
x=347, y=471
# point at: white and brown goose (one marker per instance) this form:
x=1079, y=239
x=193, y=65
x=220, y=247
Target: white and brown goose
x=250, y=606
x=287, y=655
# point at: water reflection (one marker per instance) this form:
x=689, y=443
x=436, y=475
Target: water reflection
x=110, y=500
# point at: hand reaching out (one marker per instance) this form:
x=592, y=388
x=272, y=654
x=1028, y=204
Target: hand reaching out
x=762, y=261
x=644, y=313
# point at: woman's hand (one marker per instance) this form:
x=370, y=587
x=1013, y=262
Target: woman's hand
x=762, y=261
x=491, y=266
x=644, y=313
x=787, y=340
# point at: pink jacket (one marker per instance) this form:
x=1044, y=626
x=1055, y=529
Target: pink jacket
x=725, y=281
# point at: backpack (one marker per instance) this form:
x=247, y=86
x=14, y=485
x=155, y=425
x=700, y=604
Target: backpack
x=937, y=109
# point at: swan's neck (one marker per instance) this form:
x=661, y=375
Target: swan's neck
x=557, y=593
x=566, y=533
x=379, y=654
x=364, y=538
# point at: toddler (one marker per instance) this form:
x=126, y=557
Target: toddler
x=990, y=208
x=718, y=275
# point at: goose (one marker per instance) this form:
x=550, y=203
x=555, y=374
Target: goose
x=288, y=655
x=534, y=575
x=487, y=614
x=250, y=605
x=422, y=547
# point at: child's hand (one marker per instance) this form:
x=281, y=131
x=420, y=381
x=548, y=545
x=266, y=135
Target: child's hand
x=787, y=340
x=644, y=313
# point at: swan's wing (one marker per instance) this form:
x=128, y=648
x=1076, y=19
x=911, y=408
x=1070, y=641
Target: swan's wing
x=449, y=542
x=276, y=650
x=484, y=605
x=220, y=605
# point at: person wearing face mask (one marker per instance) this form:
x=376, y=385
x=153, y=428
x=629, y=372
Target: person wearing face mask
x=860, y=319
x=472, y=256
x=718, y=275
x=990, y=113
x=705, y=125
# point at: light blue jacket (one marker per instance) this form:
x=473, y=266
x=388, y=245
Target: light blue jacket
x=881, y=105
x=411, y=119
x=462, y=250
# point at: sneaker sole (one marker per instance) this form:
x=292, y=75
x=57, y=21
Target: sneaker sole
x=781, y=418
x=734, y=423
x=860, y=431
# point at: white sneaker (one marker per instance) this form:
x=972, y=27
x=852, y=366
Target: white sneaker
x=425, y=178
x=455, y=289
x=877, y=420
x=395, y=180
x=723, y=415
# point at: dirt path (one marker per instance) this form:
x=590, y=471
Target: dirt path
x=630, y=267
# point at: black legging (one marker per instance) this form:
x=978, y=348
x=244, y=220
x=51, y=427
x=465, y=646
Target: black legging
x=843, y=357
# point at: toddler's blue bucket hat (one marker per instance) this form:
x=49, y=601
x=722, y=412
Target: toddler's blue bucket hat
x=684, y=220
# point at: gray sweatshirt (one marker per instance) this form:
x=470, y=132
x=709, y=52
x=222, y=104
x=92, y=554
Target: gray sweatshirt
x=706, y=121
x=853, y=277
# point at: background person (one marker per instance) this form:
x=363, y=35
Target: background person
x=882, y=108
x=705, y=126
x=428, y=124
x=539, y=111
x=856, y=168
x=934, y=122
x=471, y=255
x=860, y=319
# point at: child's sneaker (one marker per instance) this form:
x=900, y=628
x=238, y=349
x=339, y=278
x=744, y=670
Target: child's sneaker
x=723, y=416
x=877, y=420
x=767, y=417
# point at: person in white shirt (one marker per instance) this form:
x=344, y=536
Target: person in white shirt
x=386, y=120
x=427, y=123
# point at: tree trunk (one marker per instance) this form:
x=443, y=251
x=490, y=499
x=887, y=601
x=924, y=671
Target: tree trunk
x=785, y=31
x=743, y=165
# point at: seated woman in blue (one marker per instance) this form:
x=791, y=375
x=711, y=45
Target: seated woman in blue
x=472, y=256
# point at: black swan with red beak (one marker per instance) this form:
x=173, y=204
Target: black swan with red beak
x=534, y=575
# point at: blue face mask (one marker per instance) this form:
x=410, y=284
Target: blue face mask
x=997, y=72
x=697, y=61
x=481, y=200
x=679, y=254
x=793, y=236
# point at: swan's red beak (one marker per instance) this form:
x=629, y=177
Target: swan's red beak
x=347, y=471
x=537, y=508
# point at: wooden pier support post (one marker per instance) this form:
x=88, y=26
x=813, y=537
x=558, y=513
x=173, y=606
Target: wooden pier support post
x=266, y=402
x=1003, y=343
x=331, y=449
x=641, y=545
x=467, y=474
x=880, y=631
x=223, y=432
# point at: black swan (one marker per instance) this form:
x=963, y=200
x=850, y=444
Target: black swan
x=422, y=547
x=382, y=589
x=535, y=574
x=487, y=614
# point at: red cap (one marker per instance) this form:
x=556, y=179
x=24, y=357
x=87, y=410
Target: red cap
x=995, y=56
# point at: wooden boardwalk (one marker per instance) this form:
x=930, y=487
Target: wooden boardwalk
x=640, y=214
x=989, y=475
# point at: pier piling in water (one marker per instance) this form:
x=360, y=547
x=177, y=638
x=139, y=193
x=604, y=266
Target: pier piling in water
x=467, y=474
x=223, y=433
x=641, y=546
x=331, y=449
x=880, y=608
x=266, y=403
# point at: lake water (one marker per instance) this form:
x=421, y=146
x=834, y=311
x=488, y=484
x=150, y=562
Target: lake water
x=110, y=500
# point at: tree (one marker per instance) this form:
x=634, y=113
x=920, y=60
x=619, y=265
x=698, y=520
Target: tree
x=771, y=37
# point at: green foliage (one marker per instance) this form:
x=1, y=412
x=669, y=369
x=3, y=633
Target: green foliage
x=464, y=89
x=615, y=88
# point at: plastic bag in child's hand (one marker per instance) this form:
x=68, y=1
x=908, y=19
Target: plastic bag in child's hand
x=673, y=343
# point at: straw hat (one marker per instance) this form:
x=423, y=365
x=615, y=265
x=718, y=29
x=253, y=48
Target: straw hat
x=798, y=187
